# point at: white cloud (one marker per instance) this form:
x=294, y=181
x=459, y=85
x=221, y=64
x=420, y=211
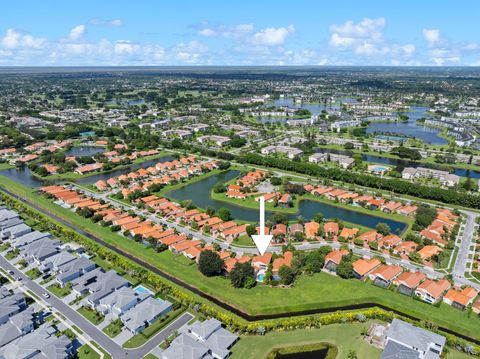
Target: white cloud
x=112, y=23
x=431, y=36
x=77, y=32
x=272, y=36
x=190, y=52
x=349, y=33
x=232, y=32
x=14, y=39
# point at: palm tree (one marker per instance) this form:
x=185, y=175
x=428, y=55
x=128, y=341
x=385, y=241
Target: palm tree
x=352, y=354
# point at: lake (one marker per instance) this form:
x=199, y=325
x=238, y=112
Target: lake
x=411, y=128
x=199, y=194
x=79, y=151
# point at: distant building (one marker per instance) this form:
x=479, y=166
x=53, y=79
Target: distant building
x=445, y=178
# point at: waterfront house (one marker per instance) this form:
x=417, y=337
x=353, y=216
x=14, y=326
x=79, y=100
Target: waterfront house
x=408, y=281
x=431, y=291
x=460, y=298
x=362, y=267
x=333, y=259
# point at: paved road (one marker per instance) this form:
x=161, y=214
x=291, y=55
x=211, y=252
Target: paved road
x=461, y=264
x=88, y=328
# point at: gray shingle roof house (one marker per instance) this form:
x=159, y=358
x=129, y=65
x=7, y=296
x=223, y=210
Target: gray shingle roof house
x=120, y=301
x=185, y=347
x=6, y=214
x=10, y=223
x=145, y=313
x=40, y=250
x=209, y=335
x=74, y=269
x=427, y=344
x=102, y=284
x=17, y=325
x=394, y=350
x=53, y=263
x=10, y=306
x=16, y=231
x=28, y=238
x=39, y=344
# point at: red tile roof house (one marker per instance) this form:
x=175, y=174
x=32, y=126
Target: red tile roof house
x=385, y=274
x=262, y=262
x=295, y=227
x=348, y=233
x=279, y=231
x=362, y=267
x=433, y=236
x=285, y=200
x=391, y=207
x=432, y=291
x=230, y=234
x=331, y=229
x=389, y=241
x=407, y=210
x=405, y=248
x=311, y=230
x=460, y=298
x=333, y=259
x=370, y=236
x=101, y=185
x=408, y=281
x=279, y=262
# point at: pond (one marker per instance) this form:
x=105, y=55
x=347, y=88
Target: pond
x=79, y=151
x=314, y=354
x=199, y=194
x=411, y=128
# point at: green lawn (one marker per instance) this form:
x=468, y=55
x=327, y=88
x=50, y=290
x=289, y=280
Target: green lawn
x=12, y=254
x=309, y=292
x=92, y=315
x=344, y=336
x=59, y=291
x=114, y=328
x=86, y=352
x=34, y=273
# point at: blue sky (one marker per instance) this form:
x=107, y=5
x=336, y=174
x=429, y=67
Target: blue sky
x=229, y=32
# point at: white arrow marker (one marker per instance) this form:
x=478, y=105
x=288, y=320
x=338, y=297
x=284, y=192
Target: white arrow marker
x=262, y=240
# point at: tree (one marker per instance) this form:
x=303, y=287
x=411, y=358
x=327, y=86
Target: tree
x=210, y=263
x=276, y=181
x=383, y=228
x=318, y=217
x=240, y=273
x=251, y=230
x=345, y=268
x=286, y=275
x=415, y=257
x=352, y=354
x=224, y=214
x=219, y=188
x=349, y=146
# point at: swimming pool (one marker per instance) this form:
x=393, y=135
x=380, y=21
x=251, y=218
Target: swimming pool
x=141, y=290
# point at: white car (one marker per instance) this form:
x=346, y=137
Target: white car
x=46, y=295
